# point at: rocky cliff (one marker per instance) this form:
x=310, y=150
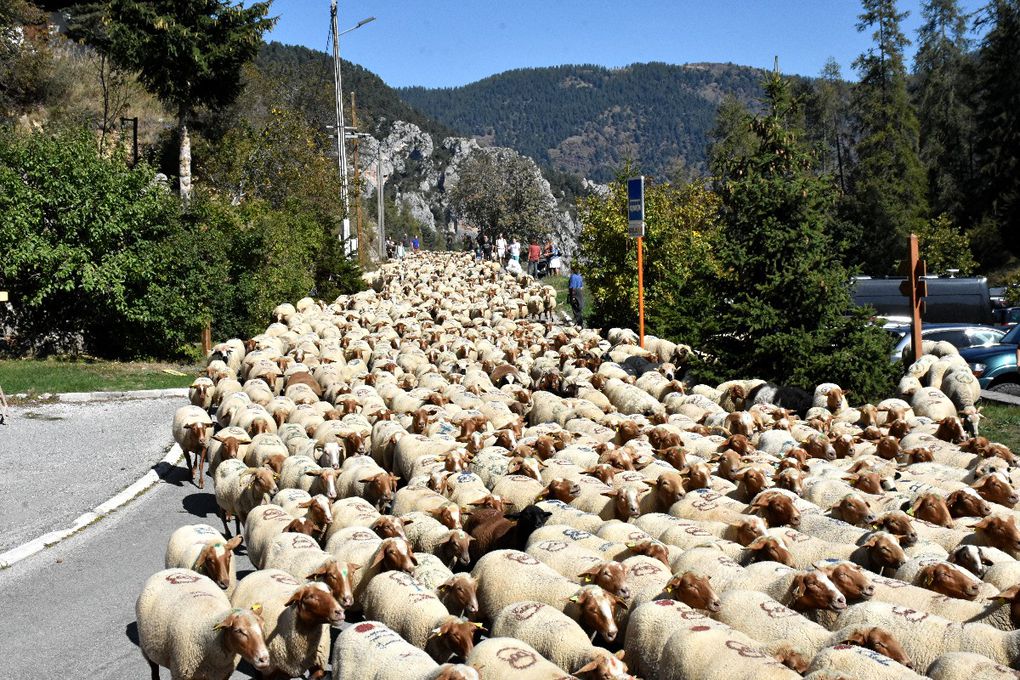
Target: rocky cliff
x=422, y=171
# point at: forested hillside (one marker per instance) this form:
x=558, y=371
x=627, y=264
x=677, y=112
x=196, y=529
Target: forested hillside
x=589, y=119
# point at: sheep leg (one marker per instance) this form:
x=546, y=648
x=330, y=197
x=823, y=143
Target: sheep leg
x=225, y=516
x=201, y=466
x=237, y=525
x=316, y=673
x=153, y=668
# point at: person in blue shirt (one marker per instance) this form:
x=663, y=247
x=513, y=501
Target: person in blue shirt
x=575, y=284
x=415, y=244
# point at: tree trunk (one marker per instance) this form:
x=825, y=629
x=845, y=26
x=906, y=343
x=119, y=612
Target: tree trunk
x=185, y=155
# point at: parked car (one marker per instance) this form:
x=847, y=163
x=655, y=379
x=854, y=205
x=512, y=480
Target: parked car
x=961, y=336
x=995, y=366
x=1006, y=316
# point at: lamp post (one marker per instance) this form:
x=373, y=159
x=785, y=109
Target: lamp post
x=340, y=129
x=379, y=181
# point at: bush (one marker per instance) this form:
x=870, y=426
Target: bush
x=678, y=258
x=97, y=258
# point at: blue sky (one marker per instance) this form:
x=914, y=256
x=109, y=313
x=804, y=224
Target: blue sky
x=438, y=43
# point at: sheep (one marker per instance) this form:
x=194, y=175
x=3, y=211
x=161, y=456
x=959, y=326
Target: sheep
x=372, y=651
x=297, y=619
x=239, y=489
x=930, y=402
x=186, y=623
x=261, y=526
x=508, y=576
x=373, y=554
x=201, y=548
x=191, y=429
x=846, y=660
x=700, y=647
x=428, y=535
x=926, y=636
x=409, y=608
x=301, y=557
x=961, y=665
x=549, y=632
x=303, y=473
x=768, y=621
x=201, y=393
x=361, y=476
x=504, y=658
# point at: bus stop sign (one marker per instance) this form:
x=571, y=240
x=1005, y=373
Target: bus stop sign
x=636, y=207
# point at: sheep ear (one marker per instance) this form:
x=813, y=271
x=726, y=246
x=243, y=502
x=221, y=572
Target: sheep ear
x=233, y=543
x=590, y=666
x=294, y=598
x=984, y=523
x=353, y=567
x=858, y=637
x=757, y=544
x=306, y=504
x=202, y=556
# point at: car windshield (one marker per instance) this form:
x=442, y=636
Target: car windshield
x=1012, y=337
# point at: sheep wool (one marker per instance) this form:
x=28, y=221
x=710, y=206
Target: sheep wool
x=372, y=651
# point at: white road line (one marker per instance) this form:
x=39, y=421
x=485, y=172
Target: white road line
x=146, y=481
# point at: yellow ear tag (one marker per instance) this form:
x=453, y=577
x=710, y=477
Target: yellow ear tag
x=910, y=512
x=257, y=607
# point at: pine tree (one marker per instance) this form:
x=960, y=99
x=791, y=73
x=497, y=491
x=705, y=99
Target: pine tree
x=731, y=136
x=783, y=297
x=944, y=113
x=188, y=53
x=887, y=192
x=998, y=120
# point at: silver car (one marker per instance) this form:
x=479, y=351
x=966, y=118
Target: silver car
x=960, y=336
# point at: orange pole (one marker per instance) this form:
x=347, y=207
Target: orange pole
x=916, y=272
x=641, y=292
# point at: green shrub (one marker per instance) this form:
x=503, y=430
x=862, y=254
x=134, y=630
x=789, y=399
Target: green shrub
x=93, y=251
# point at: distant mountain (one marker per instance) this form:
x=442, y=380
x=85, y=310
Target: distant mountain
x=589, y=120
x=304, y=78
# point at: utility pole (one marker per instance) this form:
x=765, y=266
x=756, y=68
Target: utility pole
x=341, y=131
x=379, y=204
x=357, y=176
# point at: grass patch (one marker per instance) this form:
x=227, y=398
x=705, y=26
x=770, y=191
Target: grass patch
x=1001, y=423
x=39, y=376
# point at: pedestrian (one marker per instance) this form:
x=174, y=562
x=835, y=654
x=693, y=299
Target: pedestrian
x=400, y=249
x=555, y=261
x=501, y=247
x=513, y=267
x=534, y=255
x=415, y=244
x=515, y=250
x=575, y=296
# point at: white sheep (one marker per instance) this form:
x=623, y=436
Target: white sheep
x=852, y=661
x=186, y=624
x=297, y=619
x=505, y=658
x=768, y=621
x=372, y=651
x=548, y=631
x=201, y=548
x=508, y=576
x=240, y=488
x=406, y=606
x=191, y=429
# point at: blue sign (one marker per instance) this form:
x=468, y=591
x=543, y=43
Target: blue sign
x=636, y=206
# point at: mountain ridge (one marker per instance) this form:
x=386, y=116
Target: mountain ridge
x=656, y=115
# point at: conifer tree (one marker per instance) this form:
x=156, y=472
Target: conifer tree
x=998, y=120
x=944, y=113
x=188, y=53
x=888, y=188
x=783, y=296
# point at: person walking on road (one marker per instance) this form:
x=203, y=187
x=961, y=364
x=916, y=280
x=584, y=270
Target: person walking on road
x=501, y=247
x=575, y=296
x=534, y=255
x=415, y=244
x=515, y=250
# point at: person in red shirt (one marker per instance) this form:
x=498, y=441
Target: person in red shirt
x=534, y=255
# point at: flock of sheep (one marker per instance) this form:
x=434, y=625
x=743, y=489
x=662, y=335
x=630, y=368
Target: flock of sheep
x=469, y=491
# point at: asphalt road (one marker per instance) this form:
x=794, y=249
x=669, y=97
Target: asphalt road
x=60, y=460
x=69, y=610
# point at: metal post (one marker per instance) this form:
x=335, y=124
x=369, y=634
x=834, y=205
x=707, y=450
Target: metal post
x=134, y=137
x=357, y=177
x=381, y=219
x=641, y=291
x=340, y=130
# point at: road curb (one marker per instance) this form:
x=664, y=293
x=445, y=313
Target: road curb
x=146, y=481
x=78, y=397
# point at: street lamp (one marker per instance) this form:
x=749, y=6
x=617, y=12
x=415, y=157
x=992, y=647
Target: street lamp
x=341, y=147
